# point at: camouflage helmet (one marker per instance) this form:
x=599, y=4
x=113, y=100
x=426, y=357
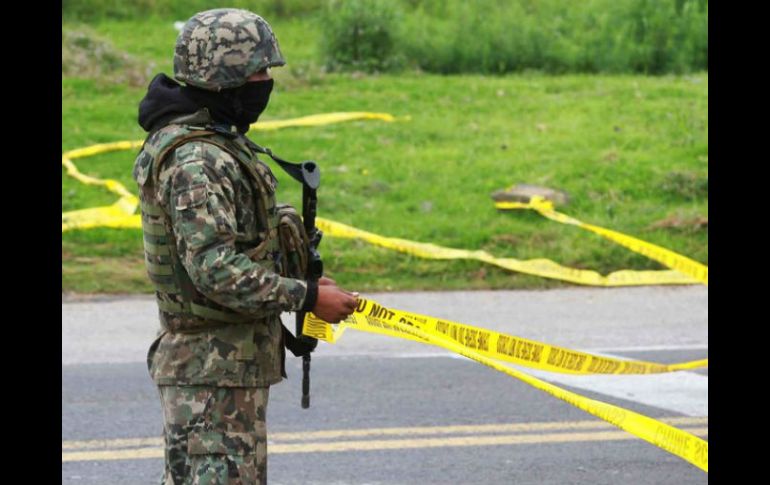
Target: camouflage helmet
x=220, y=48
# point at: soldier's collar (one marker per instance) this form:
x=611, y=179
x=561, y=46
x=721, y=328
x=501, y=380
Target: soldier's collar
x=229, y=131
x=202, y=119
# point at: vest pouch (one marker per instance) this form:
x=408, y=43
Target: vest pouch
x=265, y=253
x=294, y=242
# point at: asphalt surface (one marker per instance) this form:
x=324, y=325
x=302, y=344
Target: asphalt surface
x=419, y=394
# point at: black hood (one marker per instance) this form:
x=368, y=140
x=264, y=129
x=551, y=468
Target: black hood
x=166, y=99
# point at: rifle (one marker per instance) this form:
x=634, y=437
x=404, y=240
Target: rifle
x=309, y=175
x=312, y=178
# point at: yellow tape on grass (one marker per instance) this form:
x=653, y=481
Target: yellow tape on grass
x=115, y=216
x=121, y=213
x=372, y=317
x=538, y=267
x=668, y=258
x=322, y=119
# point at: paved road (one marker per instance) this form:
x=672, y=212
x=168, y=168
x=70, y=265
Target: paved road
x=387, y=411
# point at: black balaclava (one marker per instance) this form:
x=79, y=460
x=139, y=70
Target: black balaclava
x=239, y=106
x=166, y=99
x=252, y=99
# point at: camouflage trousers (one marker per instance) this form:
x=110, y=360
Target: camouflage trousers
x=214, y=435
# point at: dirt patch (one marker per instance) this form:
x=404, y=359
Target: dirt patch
x=682, y=223
x=687, y=184
x=85, y=55
x=506, y=239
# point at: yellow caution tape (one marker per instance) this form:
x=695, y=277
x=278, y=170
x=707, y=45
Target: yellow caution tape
x=121, y=213
x=321, y=119
x=317, y=328
x=102, y=148
x=668, y=258
x=113, y=216
x=500, y=346
x=539, y=267
x=373, y=317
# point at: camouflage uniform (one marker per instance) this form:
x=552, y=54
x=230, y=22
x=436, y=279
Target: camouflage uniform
x=215, y=435
x=210, y=232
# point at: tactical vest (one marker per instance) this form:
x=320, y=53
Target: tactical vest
x=182, y=307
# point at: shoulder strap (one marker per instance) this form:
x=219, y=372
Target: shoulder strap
x=171, y=144
x=305, y=173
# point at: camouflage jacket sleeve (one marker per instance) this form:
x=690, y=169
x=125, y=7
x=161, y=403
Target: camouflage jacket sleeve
x=199, y=193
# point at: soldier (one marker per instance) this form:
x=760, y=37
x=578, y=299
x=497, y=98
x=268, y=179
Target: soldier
x=212, y=252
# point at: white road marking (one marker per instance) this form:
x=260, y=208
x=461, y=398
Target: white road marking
x=682, y=392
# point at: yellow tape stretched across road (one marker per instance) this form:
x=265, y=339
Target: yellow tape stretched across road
x=500, y=346
x=372, y=317
x=538, y=267
x=668, y=258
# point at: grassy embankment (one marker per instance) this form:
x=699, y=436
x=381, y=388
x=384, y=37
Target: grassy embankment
x=632, y=151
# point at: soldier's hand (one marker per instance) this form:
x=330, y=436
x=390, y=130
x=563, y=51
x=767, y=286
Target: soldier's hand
x=333, y=304
x=326, y=281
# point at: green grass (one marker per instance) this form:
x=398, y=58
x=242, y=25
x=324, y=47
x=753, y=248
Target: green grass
x=505, y=36
x=482, y=36
x=630, y=151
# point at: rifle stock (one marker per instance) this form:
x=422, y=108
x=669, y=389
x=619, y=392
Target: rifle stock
x=311, y=179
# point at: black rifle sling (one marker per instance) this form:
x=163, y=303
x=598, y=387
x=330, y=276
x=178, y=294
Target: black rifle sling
x=297, y=346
